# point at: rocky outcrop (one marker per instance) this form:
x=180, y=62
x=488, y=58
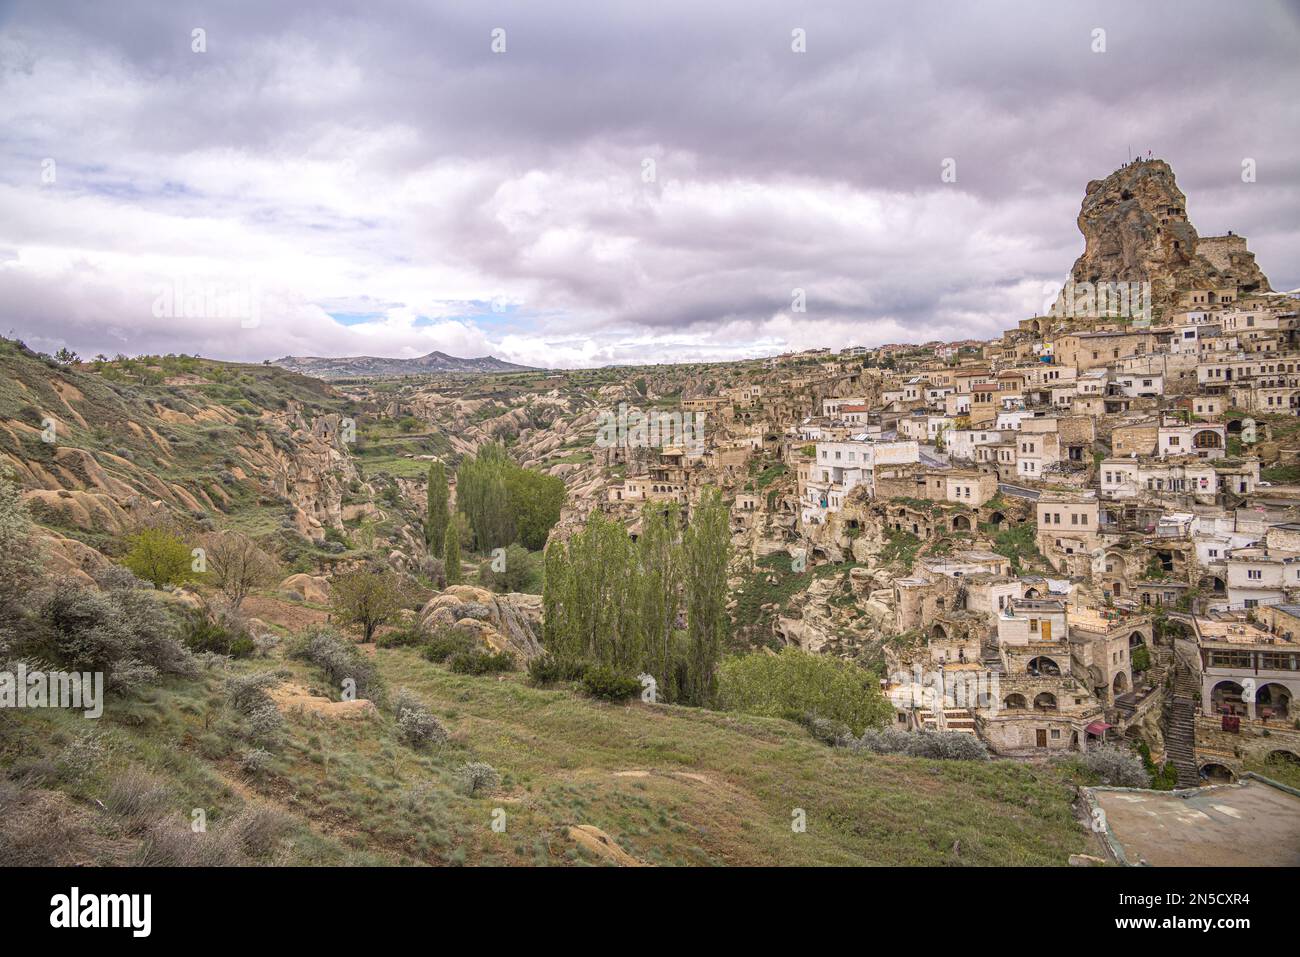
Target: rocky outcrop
x=1135, y=228
x=511, y=622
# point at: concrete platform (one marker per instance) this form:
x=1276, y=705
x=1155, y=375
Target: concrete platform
x=1251, y=824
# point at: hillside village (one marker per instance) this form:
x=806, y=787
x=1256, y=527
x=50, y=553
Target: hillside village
x=1100, y=510
x=1081, y=535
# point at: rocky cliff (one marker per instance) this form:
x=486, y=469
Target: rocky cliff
x=1135, y=228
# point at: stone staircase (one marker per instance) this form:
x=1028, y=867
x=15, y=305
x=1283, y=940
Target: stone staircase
x=1180, y=736
x=951, y=719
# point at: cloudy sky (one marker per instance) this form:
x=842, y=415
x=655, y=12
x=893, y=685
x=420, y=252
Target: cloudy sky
x=616, y=181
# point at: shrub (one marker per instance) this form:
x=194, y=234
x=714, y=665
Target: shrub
x=341, y=661
x=406, y=636
x=547, y=669
x=247, y=693
x=137, y=796
x=158, y=556
x=480, y=662
x=416, y=724
x=225, y=636
x=477, y=777
x=604, y=682
x=797, y=685
x=937, y=745
x=123, y=631
x=83, y=755
x=255, y=761
x=447, y=642
x=1113, y=766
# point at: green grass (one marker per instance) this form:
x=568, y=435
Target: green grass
x=717, y=788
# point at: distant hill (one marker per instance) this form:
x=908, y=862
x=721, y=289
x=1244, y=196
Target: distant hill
x=348, y=367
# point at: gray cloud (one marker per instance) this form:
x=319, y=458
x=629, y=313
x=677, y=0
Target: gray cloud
x=346, y=152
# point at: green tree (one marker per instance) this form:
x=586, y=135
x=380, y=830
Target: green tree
x=451, y=556
x=367, y=598
x=797, y=685
x=159, y=556
x=706, y=555
x=435, y=523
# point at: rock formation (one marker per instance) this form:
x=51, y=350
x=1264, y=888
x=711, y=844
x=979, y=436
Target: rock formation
x=1135, y=227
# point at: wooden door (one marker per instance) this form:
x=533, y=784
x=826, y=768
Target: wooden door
x=1042, y=737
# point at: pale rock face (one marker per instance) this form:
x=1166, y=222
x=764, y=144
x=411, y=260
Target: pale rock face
x=1135, y=228
x=309, y=588
x=510, y=622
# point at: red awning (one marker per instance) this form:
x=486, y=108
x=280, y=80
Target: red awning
x=1097, y=727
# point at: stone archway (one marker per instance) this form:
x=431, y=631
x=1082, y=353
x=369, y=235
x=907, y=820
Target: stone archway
x=1136, y=638
x=1225, y=698
x=1217, y=773
x=996, y=519
x=1045, y=701
x=1043, y=666
x=960, y=523
x=1274, y=697
x=1283, y=757
x=938, y=633
x=1120, y=684
x=1015, y=702
x=1207, y=439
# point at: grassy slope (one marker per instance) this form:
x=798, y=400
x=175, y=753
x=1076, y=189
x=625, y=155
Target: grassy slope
x=718, y=788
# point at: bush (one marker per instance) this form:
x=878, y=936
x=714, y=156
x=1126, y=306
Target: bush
x=225, y=636
x=86, y=753
x=798, y=686
x=137, y=796
x=255, y=761
x=122, y=631
x=607, y=684
x=476, y=778
x=405, y=637
x=416, y=724
x=341, y=661
x=937, y=745
x=448, y=642
x=547, y=669
x=158, y=556
x=1113, y=766
x=519, y=574
x=480, y=662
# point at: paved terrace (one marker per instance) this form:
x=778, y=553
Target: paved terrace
x=1250, y=824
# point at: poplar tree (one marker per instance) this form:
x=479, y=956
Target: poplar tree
x=435, y=522
x=451, y=557
x=706, y=553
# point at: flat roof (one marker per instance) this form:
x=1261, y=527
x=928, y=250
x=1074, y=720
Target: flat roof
x=1252, y=823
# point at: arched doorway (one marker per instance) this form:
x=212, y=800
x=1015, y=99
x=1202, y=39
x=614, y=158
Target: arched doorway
x=1217, y=774
x=1273, y=701
x=1043, y=666
x=996, y=519
x=1137, y=638
x=1045, y=701
x=1015, y=702
x=1031, y=592
x=960, y=523
x=1225, y=698
x=938, y=633
x=1120, y=684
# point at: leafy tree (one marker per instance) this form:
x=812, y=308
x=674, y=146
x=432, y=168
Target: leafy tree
x=515, y=574
x=367, y=598
x=159, y=556
x=236, y=565
x=706, y=555
x=505, y=502
x=66, y=357
x=451, y=557
x=435, y=523
x=797, y=685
